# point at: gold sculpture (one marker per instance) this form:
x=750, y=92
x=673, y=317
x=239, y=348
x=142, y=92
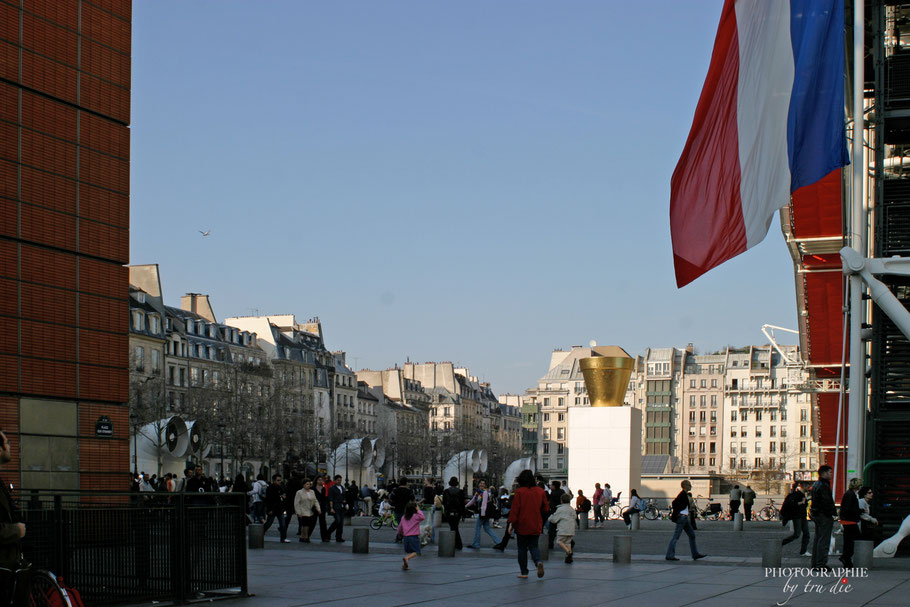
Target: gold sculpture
x=607, y=375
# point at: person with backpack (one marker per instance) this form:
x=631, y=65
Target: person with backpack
x=598, y=501
x=582, y=507
x=257, y=497
x=485, y=512
x=453, y=505
x=748, y=500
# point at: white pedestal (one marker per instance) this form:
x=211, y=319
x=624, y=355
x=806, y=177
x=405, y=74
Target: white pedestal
x=604, y=447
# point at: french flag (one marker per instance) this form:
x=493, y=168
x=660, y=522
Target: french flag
x=770, y=120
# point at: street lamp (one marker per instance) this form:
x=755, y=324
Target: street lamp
x=392, y=446
x=290, y=435
x=134, y=419
x=346, y=439
x=221, y=447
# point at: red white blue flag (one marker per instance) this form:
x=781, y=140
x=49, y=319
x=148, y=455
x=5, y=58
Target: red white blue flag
x=770, y=120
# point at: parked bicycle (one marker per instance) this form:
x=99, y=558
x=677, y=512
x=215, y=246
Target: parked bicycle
x=32, y=588
x=770, y=512
x=711, y=512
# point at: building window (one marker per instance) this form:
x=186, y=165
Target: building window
x=560, y=463
x=758, y=462
x=140, y=358
x=691, y=417
x=773, y=415
x=773, y=431
x=560, y=448
x=562, y=417
x=546, y=402
x=560, y=433
x=733, y=415
x=744, y=414
x=545, y=463
x=803, y=447
x=757, y=446
x=804, y=431
x=546, y=448
x=546, y=417
x=156, y=361
x=758, y=433
x=562, y=401
x=803, y=415
x=692, y=401
x=733, y=432
x=743, y=448
x=704, y=383
x=702, y=417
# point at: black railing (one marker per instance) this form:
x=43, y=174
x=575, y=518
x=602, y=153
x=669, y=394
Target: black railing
x=131, y=547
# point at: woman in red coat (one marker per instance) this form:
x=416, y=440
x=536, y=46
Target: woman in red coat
x=529, y=511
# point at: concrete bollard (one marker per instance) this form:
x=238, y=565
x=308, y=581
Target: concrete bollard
x=257, y=536
x=737, y=522
x=583, y=521
x=446, y=543
x=862, y=553
x=622, y=548
x=544, y=547
x=771, y=552
x=361, y=543
x=635, y=519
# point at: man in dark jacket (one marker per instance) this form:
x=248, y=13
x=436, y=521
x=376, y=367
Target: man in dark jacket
x=823, y=512
x=453, y=504
x=680, y=516
x=401, y=496
x=275, y=508
x=794, y=509
x=849, y=520
x=553, y=500
x=336, y=509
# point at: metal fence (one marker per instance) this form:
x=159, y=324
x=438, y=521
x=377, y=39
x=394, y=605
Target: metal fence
x=132, y=547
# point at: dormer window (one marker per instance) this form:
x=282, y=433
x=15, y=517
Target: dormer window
x=140, y=297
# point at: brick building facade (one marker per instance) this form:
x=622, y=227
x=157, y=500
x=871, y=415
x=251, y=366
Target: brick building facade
x=64, y=240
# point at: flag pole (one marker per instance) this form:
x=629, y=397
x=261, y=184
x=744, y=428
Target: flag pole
x=856, y=411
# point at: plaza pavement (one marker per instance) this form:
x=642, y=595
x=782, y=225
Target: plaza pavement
x=328, y=574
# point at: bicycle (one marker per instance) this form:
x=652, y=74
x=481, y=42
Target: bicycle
x=41, y=588
x=388, y=519
x=651, y=511
x=711, y=512
x=769, y=512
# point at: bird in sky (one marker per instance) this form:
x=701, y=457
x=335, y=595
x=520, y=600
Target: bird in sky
x=206, y=233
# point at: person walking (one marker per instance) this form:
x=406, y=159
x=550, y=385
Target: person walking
x=607, y=500
x=453, y=504
x=849, y=520
x=336, y=508
x=867, y=521
x=528, y=511
x=680, y=516
x=597, y=500
x=322, y=497
x=366, y=496
x=565, y=518
x=484, y=501
x=307, y=508
x=257, y=495
x=554, y=500
x=409, y=530
x=736, y=495
x=635, y=505
x=794, y=509
x=274, y=507
x=823, y=512
x=748, y=500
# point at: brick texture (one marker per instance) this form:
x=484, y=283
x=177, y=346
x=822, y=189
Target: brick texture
x=64, y=220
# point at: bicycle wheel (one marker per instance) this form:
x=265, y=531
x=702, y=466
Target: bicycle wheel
x=615, y=512
x=44, y=591
x=375, y=524
x=652, y=513
x=765, y=514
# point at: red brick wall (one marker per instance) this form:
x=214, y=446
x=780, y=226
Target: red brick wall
x=64, y=220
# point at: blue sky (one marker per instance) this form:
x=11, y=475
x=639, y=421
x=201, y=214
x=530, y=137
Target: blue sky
x=471, y=181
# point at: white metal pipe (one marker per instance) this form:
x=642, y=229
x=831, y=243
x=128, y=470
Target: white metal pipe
x=856, y=406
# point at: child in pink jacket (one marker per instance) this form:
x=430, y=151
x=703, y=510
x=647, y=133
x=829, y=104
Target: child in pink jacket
x=409, y=530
